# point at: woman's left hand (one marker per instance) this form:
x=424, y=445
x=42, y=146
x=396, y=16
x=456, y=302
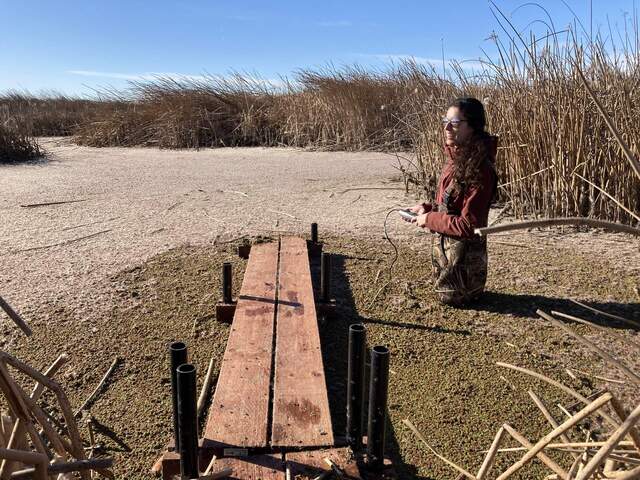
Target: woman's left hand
x=421, y=220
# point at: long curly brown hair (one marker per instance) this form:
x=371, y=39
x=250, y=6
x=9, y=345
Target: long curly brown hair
x=479, y=149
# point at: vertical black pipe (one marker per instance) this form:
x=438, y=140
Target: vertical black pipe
x=355, y=384
x=314, y=232
x=378, y=388
x=187, y=421
x=226, y=283
x=178, y=356
x=325, y=278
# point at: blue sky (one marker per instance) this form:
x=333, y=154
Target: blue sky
x=73, y=46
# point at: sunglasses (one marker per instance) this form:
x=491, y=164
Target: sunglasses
x=455, y=122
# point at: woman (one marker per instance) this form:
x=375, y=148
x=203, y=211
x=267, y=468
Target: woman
x=465, y=191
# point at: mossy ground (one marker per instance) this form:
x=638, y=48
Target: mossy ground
x=443, y=373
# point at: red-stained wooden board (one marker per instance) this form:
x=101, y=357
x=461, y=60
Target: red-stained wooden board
x=301, y=415
x=239, y=414
x=254, y=467
x=310, y=464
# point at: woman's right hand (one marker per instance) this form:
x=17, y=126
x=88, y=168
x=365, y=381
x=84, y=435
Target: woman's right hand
x=420, y=209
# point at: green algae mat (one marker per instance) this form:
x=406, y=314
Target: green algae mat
x=443, y=373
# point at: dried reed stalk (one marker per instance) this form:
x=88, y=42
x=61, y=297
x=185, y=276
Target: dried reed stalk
x=608, y=315
x=599, y=458
x=17, y=319
x=526, y=459
x=564, y=446
x=491, y=455
x=508, y=227
x=634, y=377
x=459, y=469
x=562, y=387
x=30, y=458
x=536, y=449
x=609, y=331
x=545, y=411
x=206, y=388
x=97, y=390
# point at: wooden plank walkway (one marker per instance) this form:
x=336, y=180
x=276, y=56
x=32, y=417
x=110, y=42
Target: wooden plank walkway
x=255, y=467
x=301, y=416
x=310, y=464
x=271, y=391
x=298, y=415
x=239, y=414
x=306, y=464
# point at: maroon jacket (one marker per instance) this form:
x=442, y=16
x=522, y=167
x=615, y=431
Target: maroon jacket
x=473, y=204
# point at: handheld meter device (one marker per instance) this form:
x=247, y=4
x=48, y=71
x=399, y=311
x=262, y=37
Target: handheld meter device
x=407, y=215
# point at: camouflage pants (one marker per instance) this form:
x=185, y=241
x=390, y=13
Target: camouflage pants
x=459, y=268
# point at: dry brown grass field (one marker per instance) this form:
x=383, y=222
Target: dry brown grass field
x=557, y=157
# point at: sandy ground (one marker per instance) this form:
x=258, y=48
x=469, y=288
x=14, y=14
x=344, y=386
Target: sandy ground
x=139, y=202
x=135, y=264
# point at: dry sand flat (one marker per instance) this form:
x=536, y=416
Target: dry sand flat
x=151, y=272
x=139, y=202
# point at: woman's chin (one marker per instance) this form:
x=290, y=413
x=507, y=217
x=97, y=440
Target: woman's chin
x=449, y=142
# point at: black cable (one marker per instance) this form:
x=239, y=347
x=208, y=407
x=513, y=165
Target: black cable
x=395, y=256
x=386, y=235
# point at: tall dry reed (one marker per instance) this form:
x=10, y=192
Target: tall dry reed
x=556, y=155
x=52, y=114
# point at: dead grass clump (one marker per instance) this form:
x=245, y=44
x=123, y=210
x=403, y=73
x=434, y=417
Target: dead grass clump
x=348, y=109
x=52, y=114
x=187, y=113
x=16, y=146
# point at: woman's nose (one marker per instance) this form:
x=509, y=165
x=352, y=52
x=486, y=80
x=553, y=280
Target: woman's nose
x=448, y=126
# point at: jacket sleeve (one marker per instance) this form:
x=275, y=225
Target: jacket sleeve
x=474, y=211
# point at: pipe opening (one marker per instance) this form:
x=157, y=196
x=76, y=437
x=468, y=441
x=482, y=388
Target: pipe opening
x=381, y=350
x=186, y=368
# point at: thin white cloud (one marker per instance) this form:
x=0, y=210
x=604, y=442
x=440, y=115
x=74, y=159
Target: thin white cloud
x=336, y=24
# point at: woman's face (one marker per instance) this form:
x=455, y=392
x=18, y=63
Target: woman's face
x=456, y=129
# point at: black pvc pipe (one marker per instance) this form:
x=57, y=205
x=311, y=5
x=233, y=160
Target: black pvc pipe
x=325, y=278
x=177, y=356
x=187, y=421
x=355, y=384
x=378, y=390
x=226, y=283
x=314, y=232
